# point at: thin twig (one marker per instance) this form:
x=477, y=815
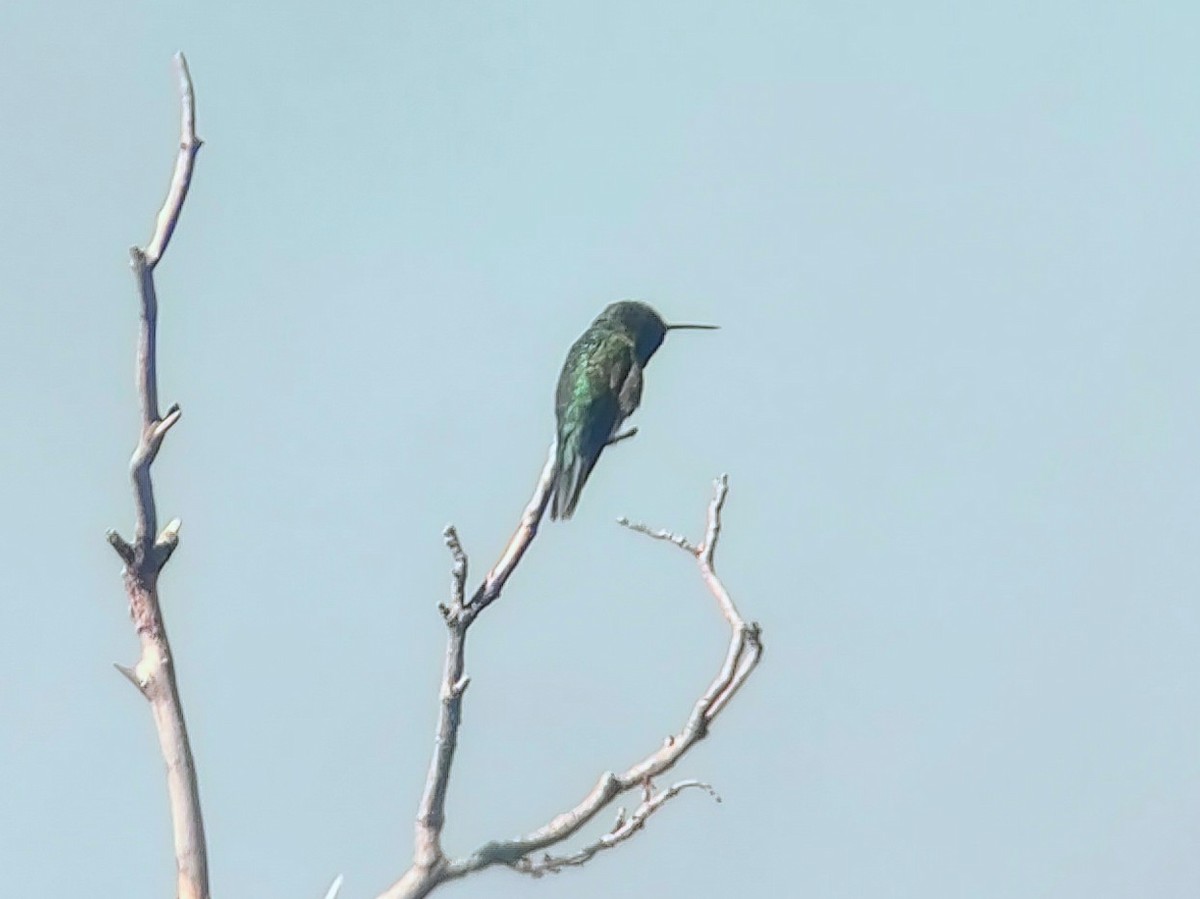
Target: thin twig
x=658, y=534
x=624, y=828
x=144, y=558
x=181, y=180
x=335, y=887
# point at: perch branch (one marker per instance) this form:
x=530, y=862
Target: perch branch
x=144, y=558
x=431, y=867
x=489, y=590
x=429, y=861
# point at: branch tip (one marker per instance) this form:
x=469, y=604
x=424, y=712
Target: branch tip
x=189, y=145
x=169, y=536
x=122, y=546
x=335, y=887
x=660, y=534
x=131, y=676
x=699, y=785
x=712, y=531
x=166, y=423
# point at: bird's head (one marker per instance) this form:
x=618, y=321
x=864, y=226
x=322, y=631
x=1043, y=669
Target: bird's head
x=644, y=325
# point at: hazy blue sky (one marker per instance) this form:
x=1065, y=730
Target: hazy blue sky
x=953, y=248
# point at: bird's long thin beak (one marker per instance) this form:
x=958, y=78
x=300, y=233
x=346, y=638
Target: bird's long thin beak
x=693, y=327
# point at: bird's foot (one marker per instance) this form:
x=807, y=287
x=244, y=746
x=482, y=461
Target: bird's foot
x=624, y=435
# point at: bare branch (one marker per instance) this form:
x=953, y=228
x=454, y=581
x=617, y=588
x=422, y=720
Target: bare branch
x=154, y=674
x=121, y=545
x=622, y=830
x=458, y=589
x=489, y=590
x=431, y=814
x=169, y=421
x=745, y=650
x=659, y=534
x=430, y=866
x=335, y=887
x=429, y=860
x=181, y=180
x=167, y=540
x=130, y=675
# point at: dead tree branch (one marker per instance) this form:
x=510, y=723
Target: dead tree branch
x=624, y=827
x=431, y=867
x=145, y=556
x=518, y=543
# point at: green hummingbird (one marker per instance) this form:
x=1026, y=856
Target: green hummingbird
x=600, y=386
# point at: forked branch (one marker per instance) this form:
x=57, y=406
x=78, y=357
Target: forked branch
x=145, y=556
x=431, y=866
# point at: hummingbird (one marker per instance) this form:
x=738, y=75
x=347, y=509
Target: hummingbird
x=600, y=386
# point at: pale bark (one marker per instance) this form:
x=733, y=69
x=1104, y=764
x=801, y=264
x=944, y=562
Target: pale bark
x=148, y=552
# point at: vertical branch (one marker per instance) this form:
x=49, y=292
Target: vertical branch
x=431, y=814
x=189, y=145
x=154, y=673
x=429, y=865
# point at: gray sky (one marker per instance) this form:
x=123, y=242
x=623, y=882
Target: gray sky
x=952, y=249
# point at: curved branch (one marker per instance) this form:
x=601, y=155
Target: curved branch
x=430, y=866
x=144, y=558
x=181, y=180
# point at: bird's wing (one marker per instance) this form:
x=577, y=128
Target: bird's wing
x=630, y=394
x=609, y=370
x=624, y=379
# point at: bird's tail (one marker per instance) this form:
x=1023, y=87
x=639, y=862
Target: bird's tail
x=571, y=470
